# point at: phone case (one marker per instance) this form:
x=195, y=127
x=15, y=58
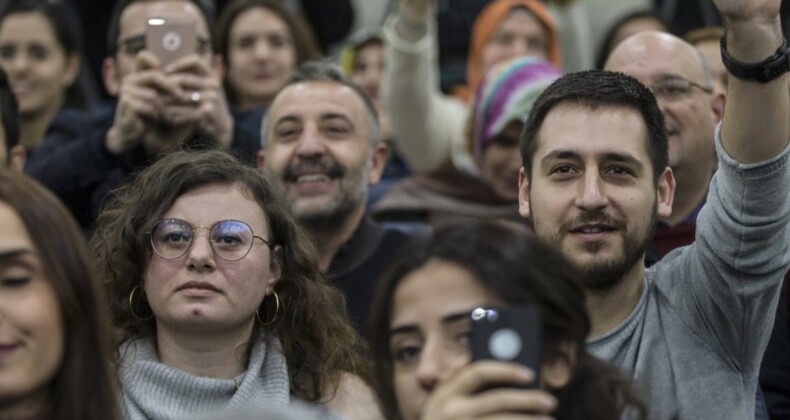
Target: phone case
x=510, y=334
x=170, y=38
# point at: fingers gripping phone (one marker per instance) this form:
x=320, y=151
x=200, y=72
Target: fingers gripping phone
x=170, y=38
x=509, y=334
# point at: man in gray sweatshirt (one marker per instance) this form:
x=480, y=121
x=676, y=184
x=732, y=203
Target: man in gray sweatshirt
x=691, y=329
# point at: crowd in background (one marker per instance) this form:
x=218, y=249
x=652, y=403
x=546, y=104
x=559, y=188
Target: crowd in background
x=301, y=217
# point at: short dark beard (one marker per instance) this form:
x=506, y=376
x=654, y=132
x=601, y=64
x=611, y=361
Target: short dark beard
x=327, y=223
x=601, y=278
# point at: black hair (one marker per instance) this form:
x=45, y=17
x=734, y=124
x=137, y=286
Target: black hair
x=9, y=114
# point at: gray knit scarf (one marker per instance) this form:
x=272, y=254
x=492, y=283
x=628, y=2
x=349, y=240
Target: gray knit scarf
x=152, y=390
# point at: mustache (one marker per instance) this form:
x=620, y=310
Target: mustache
x=325, y=166
x=598, y=217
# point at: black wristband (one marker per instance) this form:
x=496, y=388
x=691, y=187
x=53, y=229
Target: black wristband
x=762, y=72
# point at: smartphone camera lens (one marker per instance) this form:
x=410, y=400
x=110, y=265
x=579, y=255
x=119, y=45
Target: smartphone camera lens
x=171, y=41
x=505, y=344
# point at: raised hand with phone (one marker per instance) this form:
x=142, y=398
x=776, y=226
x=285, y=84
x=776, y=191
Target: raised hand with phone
x=169, y=95
x=481, y=320
x=172, y=91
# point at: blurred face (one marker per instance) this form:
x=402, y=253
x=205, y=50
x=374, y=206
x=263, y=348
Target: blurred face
x=200, y=291
x=133, y=26
x=318, y=146
x=261, y=56
x=31, y=331
x=368, y=68
x=502, y=161
x=518, y=35
x=591, y=191
x=38, y=69
x=653, y=58
x=429, y=337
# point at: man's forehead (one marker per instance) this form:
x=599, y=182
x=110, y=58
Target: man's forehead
x=649, y=56
x=317, y=97
x=134, y=16
x=598, y=131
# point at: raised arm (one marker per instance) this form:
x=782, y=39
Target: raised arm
x=426, y=123
x=756, y=122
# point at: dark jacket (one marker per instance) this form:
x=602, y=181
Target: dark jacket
x=74, y=163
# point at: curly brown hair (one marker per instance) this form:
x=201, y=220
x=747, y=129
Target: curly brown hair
x=318, y=340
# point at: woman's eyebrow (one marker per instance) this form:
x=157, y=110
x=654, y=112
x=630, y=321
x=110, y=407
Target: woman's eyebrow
x=14, y=253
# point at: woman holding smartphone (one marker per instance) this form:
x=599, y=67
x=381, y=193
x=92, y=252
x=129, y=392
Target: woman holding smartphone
x=421, y=343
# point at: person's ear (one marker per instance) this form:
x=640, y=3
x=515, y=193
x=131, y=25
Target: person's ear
x=379, y=158
x=665, y=193
x=109, y=74
x=72, y=70
x=18, y=158
x=218, y=66
x=717, y=101
x=523, y=193
x=557, y=373
x=275, y=266
x=260, y=158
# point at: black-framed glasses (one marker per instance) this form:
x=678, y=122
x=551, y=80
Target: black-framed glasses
x=674, y=88
x=134, y=44
x=230, y=240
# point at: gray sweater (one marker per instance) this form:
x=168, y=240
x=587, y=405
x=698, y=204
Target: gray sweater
x=696, y=337
x=153, y=390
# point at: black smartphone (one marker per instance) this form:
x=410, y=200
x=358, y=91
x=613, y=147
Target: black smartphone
x=509, y=334
x=170, y=38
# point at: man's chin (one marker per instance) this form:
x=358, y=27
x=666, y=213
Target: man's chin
x=602, y=271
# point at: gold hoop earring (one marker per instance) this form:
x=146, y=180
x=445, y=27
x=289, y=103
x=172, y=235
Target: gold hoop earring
x=131, y=306
x=276, y=312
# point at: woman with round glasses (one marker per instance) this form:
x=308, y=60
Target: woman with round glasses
x=218, y=297
x=421, y=326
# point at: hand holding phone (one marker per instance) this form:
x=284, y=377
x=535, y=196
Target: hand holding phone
x=459, y=396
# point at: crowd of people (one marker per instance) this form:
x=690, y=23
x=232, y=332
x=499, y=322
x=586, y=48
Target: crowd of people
x=285, y=219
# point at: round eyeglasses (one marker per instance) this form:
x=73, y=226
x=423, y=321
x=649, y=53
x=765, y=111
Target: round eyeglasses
x=230, y=240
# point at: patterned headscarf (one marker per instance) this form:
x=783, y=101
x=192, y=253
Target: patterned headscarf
x=507, y=93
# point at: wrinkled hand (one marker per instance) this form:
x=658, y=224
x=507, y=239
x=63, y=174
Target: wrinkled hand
x=202, y=101
x=458, y=397
x=417, y=10
x=140, y=103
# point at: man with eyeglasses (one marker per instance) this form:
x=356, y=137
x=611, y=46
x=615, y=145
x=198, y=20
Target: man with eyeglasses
x=160, y=107
x=681, y=80
x=683, y=85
